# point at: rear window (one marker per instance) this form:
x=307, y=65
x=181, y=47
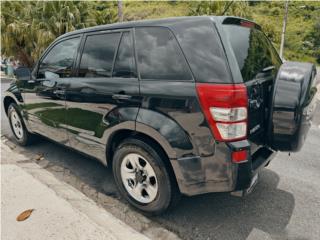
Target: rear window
x=202, y=46
x=253, y=51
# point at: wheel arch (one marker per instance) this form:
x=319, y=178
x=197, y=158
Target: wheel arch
x=163, y=149
x=6, y=103
x=156, y=141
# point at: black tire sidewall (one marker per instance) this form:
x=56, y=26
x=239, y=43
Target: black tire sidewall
x=163, y=198
x=24, y=140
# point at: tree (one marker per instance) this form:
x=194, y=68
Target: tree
x=29, y=27
x=219, y=8
x=16, y=36
x=52, y=19
x=104, y=12
x=120, y=13
x=313, y=40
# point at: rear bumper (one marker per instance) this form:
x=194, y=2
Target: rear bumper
x=197, y=175
x=246, y=171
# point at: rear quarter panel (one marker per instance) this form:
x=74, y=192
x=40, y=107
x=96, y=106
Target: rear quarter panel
x=173, y=111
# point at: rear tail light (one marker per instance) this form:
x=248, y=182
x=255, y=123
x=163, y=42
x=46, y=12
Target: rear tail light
x=225, y=107
x=247, y=24
x=228, y=114
x=231, y=131
x=239, y=156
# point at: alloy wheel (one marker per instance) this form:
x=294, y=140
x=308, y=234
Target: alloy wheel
x=16, y=124
x=139, y=178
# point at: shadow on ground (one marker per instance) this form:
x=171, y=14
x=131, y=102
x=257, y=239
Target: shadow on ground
x=267, y=209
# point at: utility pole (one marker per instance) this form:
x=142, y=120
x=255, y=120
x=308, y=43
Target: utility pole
x=120, y=15
x=284, y=29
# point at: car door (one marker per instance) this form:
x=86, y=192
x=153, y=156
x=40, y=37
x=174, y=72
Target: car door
x=104, y=95
x=44, y=93
x=167, y=86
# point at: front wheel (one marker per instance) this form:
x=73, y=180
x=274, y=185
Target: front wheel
x=142, y=177
x=19, y=130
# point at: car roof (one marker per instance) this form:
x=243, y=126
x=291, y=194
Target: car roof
x=165, y=22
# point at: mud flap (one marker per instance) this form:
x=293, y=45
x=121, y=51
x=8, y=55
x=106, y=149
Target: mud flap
x=245, y=192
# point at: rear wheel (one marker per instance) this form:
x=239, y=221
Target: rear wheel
x=142, y=177
x=20, y=133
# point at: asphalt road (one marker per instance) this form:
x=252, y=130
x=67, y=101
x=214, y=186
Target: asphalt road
x=284, y=205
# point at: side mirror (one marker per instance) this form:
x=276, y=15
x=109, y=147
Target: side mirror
x=23, y=73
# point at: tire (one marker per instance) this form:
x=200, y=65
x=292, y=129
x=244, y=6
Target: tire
x=298, y=108
x=20, y=133
x=167, y=192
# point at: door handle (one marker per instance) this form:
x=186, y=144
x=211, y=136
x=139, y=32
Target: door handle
x=120, y=97
x=59, y=92
x=36, y=80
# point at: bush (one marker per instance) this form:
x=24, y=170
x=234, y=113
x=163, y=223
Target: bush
x=275, y=11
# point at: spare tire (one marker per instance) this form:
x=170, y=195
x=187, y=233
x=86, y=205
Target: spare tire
x=293, y=105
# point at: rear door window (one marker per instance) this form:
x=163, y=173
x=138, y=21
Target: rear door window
x=98, y=55
x=159, y=55
x=253, y=51
x=124, y=66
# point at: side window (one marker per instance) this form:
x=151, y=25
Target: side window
x=159, y=55
x=98, y=54
x=124, y=65
x=58, y=62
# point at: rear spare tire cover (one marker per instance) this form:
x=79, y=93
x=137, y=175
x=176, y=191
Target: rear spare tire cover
x=293, y=105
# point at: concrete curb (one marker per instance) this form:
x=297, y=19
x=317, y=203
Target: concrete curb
x=75, y=195
x=104, y=221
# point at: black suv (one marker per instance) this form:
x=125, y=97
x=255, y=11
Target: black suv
x=176, y=106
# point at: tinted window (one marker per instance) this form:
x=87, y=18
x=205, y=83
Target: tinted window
x=98, y=54
x=202, y=46
x=124, y=65
x=253, y=51
x=159, y=55
x=58, y=62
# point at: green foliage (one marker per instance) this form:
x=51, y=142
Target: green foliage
x=104, y=12
x=133, y=10
x=270, y=30
x=312, y=40
x=301, y=30
x=218, y=8
x=27, y=28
